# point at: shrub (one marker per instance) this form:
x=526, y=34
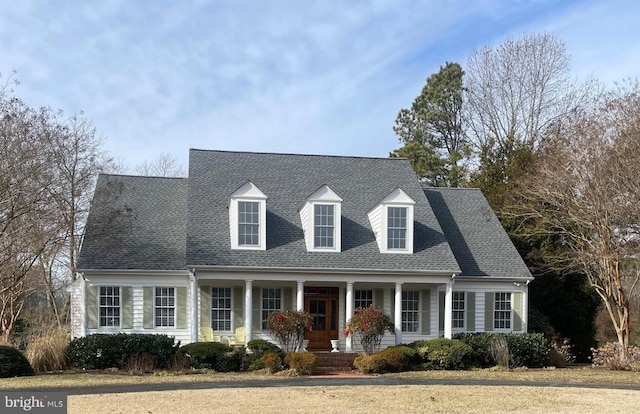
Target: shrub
x=368, y=326
x=610, y=356
x=289, y=327
x=13, y=363
x=525, y=350
x=392, y=359
x=140, y=363
x=272, y=362
x=304, y=363
x=47, y=352
x=442, y=353
x=259, y=348
x=100, y=351
x=213, y=355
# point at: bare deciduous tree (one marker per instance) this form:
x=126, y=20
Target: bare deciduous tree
x=586, y=195
x=165, y=165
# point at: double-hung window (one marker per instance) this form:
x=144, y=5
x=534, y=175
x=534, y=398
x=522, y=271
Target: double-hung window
x=271, y=301
x=109, y=306
x=165, y=306
x=396, y=228
x=248, y=223
x=502, y=310
x=363, y=298
x=458, y=310
x=323, y=227
x=221, y=309
x=410, y=310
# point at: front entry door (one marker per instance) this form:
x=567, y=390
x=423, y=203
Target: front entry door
x=322, y=305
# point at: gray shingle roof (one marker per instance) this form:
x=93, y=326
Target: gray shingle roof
x=288, y=180
x=136, y=223
x=478, y=240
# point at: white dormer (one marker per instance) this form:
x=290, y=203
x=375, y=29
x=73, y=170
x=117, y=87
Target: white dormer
x=248, y=218
x=321, y=218
x=392, y=223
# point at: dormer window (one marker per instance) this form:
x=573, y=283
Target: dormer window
x=392, y=223
x=396, y=228
x=248, y=218
x=323, y=226
x=321, y=221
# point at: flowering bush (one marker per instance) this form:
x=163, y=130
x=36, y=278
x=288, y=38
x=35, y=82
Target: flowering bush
x=289, y=327
x=368, y=325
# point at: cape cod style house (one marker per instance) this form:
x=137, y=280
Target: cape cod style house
x=249, y=233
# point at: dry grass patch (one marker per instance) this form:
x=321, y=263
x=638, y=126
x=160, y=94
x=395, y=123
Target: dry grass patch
x=362, y=399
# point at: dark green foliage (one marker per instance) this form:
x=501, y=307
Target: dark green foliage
x=525, y=350
x=13, y=363
x=102, y=351
x=442, y=353
x=259, y=348
x=302, y=362
x=213, y=355
x=431, y=130
x=392, y=359
x=565, y=306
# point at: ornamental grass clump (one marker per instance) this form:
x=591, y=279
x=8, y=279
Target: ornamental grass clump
x=368, y=326
x=289, y=328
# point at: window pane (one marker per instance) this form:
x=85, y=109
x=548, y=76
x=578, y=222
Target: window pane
x=410, y=310
x=221, y=309
x=248, y=223
x=164, y=309
x=271, y=301
x=396, y=227
x=502, y=310
x=109, y=304
x=323, y=225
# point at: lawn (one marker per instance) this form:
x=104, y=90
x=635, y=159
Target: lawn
x=400, y=398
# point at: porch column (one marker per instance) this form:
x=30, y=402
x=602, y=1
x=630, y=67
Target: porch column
x=248, y=308
x=300, y=296
x=448, y=309
x=397, y=313
x=193, y=286
x=349, y=314
x=525, y=308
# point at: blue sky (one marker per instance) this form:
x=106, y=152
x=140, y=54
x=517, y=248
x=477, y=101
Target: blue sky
x=322, y=77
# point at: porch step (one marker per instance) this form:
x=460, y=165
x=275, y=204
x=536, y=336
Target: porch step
x=334, y=362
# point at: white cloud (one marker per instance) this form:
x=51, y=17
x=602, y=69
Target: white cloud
x=322, y=77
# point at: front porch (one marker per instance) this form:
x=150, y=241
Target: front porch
x=226, y=302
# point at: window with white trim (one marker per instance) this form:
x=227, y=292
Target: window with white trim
x=410, y=310
x=392, y=223
x=165, y=306
x=321, y=220
x=458, y=310
x=396, y=228
x=323, y=225
x=502, y=310
x=248, y=223
x=271, y=301
x=248, y=218
x=363, y=298
x=221, y=309
x=109, y=306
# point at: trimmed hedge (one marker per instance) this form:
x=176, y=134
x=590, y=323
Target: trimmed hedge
x=213, y=355
x=392, y=359
x=101, y=351
x=13, y=363
x=525, y=350
x=442, y=353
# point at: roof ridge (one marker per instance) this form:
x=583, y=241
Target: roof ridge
x=141, y=176
x=297, y=154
